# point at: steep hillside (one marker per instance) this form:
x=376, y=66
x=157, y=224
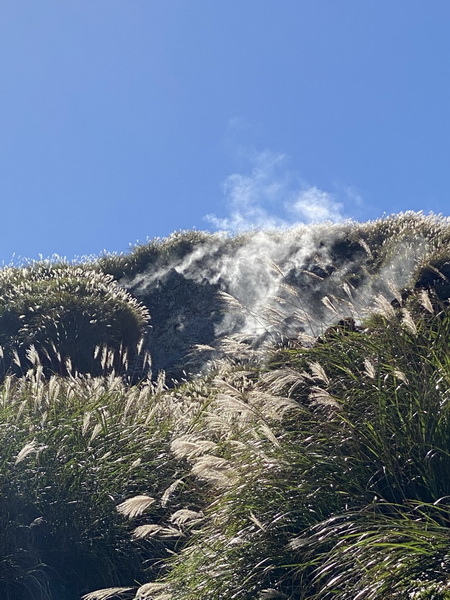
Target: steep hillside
x=299, y=447
x=266, y=288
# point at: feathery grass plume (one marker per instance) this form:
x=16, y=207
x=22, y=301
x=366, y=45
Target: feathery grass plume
x=190, y=446
x=369, y=368
x=28, y=449
x=165, y=498
x=271, y=593
x=184, y=515
x=424, y=299
x=114, y=593
x=318, y=372
x=408, y=321
x=283, y=380
x=134, y=507
x=154, y=591
x=153, y=530
x=214, y=469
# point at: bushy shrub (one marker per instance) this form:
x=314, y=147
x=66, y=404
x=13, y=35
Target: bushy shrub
x=69, y=316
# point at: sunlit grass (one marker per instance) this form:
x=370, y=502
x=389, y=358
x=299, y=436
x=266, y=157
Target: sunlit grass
x=313, y=470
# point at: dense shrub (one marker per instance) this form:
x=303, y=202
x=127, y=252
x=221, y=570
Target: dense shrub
x=68, y=316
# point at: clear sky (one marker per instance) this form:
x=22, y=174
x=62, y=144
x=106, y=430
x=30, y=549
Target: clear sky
x=122, y=120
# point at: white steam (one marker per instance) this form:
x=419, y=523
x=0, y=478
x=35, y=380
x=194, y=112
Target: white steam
x=272, y=197
x=286, y=260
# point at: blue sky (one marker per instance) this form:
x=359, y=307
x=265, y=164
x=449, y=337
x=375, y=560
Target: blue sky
x=122, y=120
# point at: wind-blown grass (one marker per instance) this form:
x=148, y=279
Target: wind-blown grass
x=318, y=471
x=342, y=491
x=71, y=451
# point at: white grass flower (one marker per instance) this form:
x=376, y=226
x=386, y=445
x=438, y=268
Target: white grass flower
x=369, y=368
x=425, y=301
x=400, y=375
x=86, y=422
x=153, y=530
x=408, y=322
x=256, y=521
x=384, y=307
x=327, y=302
x=169, y=491
x=184, y=515
x=214, y=469
x=28, y=449
x=153, y=591
x=190, y=447
x=270, y=593
x=318, y=372
x=281, y=379
x=134, y=507
x=96, y=430
x=111, y=593
x=322, y=397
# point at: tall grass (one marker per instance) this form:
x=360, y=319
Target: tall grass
x=315, y=472
x=72, y=450
x=328, y=475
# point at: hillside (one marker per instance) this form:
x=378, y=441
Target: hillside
x=213, y=417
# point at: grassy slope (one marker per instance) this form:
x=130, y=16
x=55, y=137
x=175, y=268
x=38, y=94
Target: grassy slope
x=323, y=473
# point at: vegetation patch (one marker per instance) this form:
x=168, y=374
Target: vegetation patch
x=312, y=465
x=66, y=318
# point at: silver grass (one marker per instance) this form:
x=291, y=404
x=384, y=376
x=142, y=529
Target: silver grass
x=233, y=405
x=327, y=302
x=29, y=448
x=214, y=469
x=230, y=300
x=256, y=521
x=306, y=339
x=273, y=406
x=33, y=356
x=95, y=431
x=111, y=593
x=136, y=506
x=86, y=422
x=270, y=593
x=384, y=307
x=16, y=359
x=318, y=372
x=184, y=515
x=265, y=430
x=282, y=379
x=169, y=491
x=322, y=397
x=425, y=301
x=400, y=375
x=153, y=591
x=408, y=321
x=348, y=289
x=369, y=368
x=191, y=447
x=153, y=530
